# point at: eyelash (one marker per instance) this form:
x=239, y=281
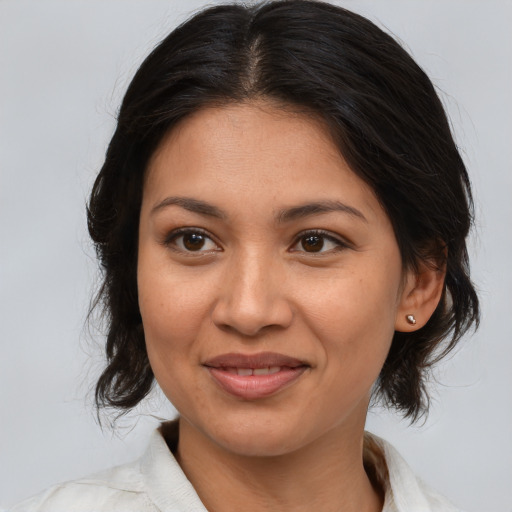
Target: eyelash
x=324, y=235
x=170, y=241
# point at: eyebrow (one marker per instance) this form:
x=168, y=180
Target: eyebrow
x=192, y=205
x=317, y=208
x=284, y=215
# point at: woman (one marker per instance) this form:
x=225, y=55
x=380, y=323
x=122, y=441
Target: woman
x=281, y=219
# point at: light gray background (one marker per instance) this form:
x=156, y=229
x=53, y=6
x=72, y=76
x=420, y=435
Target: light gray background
x=64, y=66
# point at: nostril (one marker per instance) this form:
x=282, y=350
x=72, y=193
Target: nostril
x=251, y=323
x=250, y=300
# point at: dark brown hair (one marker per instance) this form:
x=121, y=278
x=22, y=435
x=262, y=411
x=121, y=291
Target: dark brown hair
x=389, y=125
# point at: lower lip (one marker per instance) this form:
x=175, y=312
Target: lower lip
x=253, y=387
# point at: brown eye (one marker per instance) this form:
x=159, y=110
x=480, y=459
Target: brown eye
x=312, y=243
x=193, y=241
x=318, y=242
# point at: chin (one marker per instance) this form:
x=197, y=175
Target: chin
x=257, y=437
x=256, y=445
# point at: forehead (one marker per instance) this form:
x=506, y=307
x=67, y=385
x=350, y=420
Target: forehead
x=237, y=129
x=256, y=151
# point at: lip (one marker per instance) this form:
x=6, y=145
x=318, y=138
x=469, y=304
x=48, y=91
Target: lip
x=223, y=369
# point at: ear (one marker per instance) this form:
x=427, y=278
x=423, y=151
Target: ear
x=421, y=293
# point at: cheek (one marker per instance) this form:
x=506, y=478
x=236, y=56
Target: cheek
x=170, y=297
x=369, y=299
x=171, y=320
x=354, y=317
x=171, y=307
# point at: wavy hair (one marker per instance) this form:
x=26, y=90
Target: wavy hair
x=386, y=119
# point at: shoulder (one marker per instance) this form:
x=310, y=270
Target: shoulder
x=117, y=489
x=152, y=483
x=404, y=490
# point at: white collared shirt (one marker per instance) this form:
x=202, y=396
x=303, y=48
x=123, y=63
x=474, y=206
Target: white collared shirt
x=156, y=483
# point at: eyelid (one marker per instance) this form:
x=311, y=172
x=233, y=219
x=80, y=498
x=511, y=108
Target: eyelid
x=175, y=233
x=341, y=242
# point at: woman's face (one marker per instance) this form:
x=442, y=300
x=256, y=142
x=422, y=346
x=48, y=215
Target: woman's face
x=269, y=279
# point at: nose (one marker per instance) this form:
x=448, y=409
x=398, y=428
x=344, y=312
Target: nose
x=252, y=297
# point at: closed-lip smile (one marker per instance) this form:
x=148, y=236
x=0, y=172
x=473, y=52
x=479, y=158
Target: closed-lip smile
x=254, y=376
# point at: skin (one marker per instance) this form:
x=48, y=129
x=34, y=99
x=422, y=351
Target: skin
x=253, y=287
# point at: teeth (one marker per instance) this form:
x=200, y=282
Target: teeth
x=246, y=372
x=258, y=371
x=266, y=371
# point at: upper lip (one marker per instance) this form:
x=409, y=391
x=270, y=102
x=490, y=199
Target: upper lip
x=261, y=360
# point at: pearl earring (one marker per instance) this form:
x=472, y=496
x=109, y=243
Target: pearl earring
x=410, y=319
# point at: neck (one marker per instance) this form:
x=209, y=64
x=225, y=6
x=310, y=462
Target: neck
x=326, y=476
